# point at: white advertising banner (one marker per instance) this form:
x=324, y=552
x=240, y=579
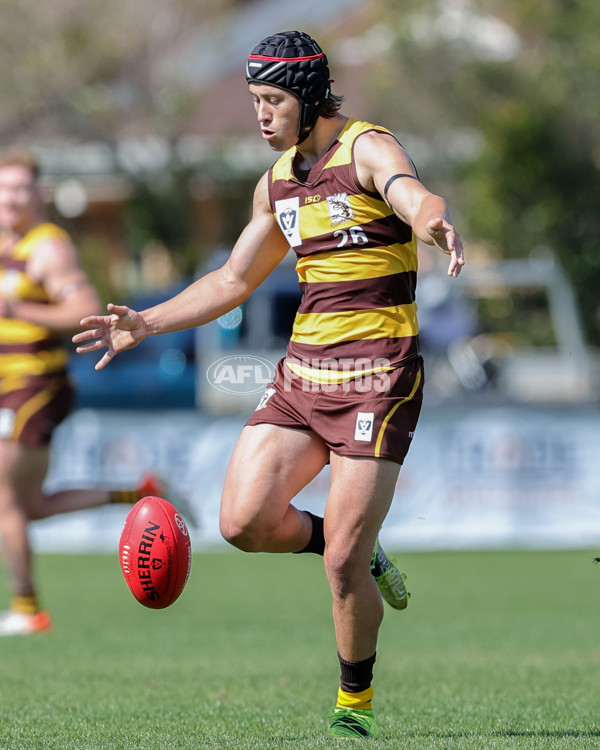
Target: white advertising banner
x=501, y=477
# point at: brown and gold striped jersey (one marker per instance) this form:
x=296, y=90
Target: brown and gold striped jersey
x=26, y=349
x=357, y=266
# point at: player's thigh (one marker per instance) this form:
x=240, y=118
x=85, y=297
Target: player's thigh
x=22, y=472
x=269, y=466
x=359, y=499
x=32, y=473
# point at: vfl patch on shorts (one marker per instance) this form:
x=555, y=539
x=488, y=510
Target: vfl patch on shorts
x=364, y=426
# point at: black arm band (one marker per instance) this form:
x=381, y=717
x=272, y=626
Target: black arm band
x=392, y=179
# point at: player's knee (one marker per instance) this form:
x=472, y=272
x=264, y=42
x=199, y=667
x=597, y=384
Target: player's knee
x=342, y=571
x=244, y=537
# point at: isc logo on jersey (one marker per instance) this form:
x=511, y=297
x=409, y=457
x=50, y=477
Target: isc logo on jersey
x=288, y=217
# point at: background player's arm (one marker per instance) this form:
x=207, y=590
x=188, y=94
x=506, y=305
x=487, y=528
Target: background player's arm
x=259, y=249
x=55, y=264
x=378, y=158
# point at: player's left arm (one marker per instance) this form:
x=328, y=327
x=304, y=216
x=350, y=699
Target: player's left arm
x=383, y=165
x=55, y=264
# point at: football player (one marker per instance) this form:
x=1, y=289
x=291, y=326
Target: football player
x=346, y=197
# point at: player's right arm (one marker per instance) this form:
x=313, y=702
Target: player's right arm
x=259, y=249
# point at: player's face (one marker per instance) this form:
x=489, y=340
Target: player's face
x=278, y=115
x=18, y=198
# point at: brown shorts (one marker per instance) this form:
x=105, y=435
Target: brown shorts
x=373, y=416
x=29, y=415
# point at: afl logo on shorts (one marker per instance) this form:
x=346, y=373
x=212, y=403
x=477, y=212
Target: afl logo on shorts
x=364, y=426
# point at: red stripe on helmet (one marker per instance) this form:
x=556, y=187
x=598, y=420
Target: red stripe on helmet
x=286, y=59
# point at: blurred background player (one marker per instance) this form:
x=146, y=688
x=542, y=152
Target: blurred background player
x=43, y=294
x=345, y=196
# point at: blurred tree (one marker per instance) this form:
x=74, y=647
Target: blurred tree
x=519, y=81
x=111, y=73
x=93, y=69
x=160, y=211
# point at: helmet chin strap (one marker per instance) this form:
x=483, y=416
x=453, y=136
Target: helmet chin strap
x=304, y=128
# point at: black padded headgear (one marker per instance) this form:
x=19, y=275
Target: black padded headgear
x=294, y=62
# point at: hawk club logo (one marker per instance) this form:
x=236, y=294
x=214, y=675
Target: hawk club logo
x=363, y=430
x=340, y=209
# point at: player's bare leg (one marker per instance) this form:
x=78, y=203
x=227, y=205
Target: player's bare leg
x=270, y=465
x=24, y=616
x=361, y=493
x=33, y=466
x=16, y=475
x=38, y=504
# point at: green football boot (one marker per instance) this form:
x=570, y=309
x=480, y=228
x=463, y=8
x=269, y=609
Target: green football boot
x=389, y=579
x=353, y=722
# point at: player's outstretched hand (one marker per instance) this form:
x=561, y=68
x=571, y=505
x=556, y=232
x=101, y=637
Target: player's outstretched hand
x=445, y=236
x=123, y=329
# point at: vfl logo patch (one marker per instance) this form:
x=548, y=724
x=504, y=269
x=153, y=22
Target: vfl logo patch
x=340, y=209
x=363, y=430
x=288, y=217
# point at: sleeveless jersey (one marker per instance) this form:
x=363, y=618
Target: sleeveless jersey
x=357, y=266
x=27, y=349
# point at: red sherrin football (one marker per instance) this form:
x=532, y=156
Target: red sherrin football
x=155, y=552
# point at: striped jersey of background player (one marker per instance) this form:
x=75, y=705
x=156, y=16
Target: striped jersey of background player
x=43, y=294
x=346, y=197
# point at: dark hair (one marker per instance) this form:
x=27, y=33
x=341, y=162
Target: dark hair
x=330, y=106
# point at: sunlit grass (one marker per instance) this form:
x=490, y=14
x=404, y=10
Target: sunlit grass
x=496, y=650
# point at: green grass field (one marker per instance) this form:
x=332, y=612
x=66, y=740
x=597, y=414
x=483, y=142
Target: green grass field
x=496, y=650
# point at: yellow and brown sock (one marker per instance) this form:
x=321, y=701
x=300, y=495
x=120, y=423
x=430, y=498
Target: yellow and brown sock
x=128, y=497
x=360, y=700
x=25, y=605
x=355, y=689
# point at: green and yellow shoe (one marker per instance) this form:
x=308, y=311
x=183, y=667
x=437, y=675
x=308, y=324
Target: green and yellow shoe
x=357, y=723
x=389, y=579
